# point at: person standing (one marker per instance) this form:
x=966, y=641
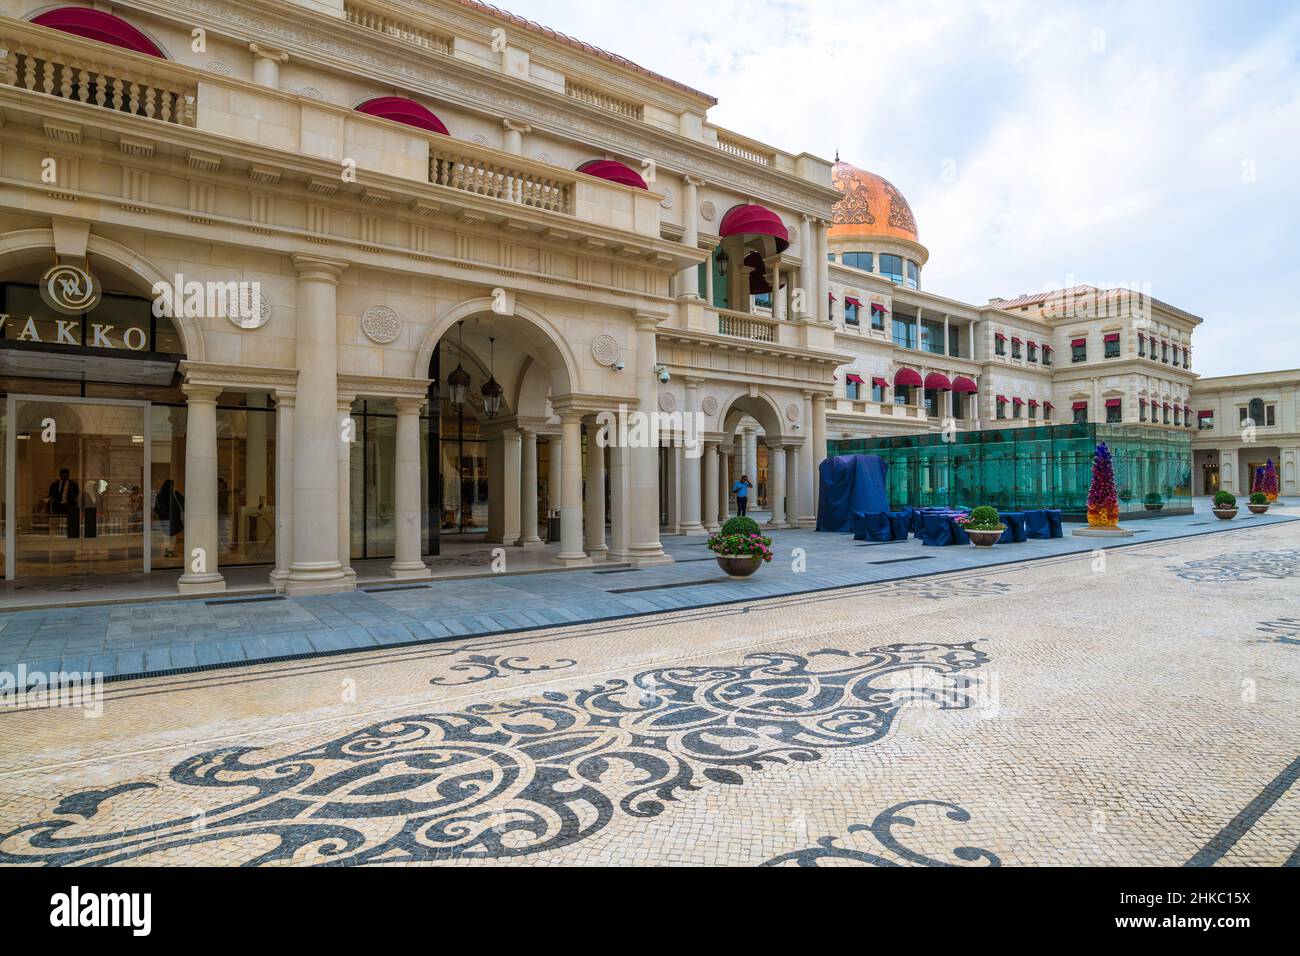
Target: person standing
x=65, y=499
x=169, y=509
x=741, y=488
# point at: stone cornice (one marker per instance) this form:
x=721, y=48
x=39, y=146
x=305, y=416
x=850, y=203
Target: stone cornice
x=381, y=386
x=238, y=376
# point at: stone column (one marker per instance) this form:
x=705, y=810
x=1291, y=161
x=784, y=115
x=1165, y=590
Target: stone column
x=970, y=340
x=266, y=65
x=554, y=481
x=687, y=284
x=283, y=488
x=724, y=485
x=643, y=499
x=571, y=552
x=619, y=477
x=822, y=305
x=513, y=141
x=406, y=493
x=811, y=465
x=710, y=486
x=808, y=270
x=1228, y=478
x=528, y=489
x=202, y=572
x=792, y=485
x=776, y=490
x=503, y=486
x=691, y=524
x=594, y=518
x=317, y=431
x=751, y=462
x=818, y=431
x=344, y=484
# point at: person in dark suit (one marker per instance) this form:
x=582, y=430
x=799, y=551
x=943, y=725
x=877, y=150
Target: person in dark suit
x=65, y=499
x=169, y=509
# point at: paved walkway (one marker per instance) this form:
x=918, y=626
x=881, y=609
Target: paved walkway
x=1134, y=711
x=165, y=636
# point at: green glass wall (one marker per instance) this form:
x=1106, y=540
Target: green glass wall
x=1047, y=466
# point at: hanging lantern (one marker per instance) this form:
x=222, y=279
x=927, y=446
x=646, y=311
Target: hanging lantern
x=724, y=262
x=491, y=390
x=458, y=380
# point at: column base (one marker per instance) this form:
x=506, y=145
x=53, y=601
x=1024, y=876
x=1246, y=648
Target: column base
x=573, y=560
x=807, y=522
x=277, y=579
x=319, y=580
x=691, y=530
x=776, y=525
x=529, y=542
x=713, y=528
x=207, y=583
x=648, y=557
x=598, y=552
x=412, y=571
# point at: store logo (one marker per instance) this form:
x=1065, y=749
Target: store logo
x=70, y=290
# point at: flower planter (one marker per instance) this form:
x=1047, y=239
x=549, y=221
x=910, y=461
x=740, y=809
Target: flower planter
x=1151, y=507
x=1258, y=509
x=984, y=539
x=1225, y=514
x=739, y=566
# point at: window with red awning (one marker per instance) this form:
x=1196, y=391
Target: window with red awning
x=853, y=377
x=879, y=382
x=1079, y=406
x=1114, y=402
x=907, y=377
x=1111, y=337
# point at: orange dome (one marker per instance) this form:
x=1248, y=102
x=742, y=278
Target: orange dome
x=872, y=206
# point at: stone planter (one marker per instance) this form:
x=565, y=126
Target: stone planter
x=984, y=539
x=1258, y=509
x=1225, y=514
x=739, y=567
x=1154, y=507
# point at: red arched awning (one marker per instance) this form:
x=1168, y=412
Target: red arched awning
x=401, y=110
x=907, y=376
x=938, y=380
x=614, y=171
x=101, y=26
x=964, y=385
x=751, y=219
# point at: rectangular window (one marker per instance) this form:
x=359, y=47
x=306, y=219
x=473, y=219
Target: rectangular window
x=1164, y=352
x=954, y=341
x=1142, y=346
x=913, y=275
x=891, y=267
x=1015, y=409
x=1032, y=352
x=1033, y=411
x=878, y=317
x=999, y=346
x=1080, y=413
x=850, y=312
x=1270, y=415
x=1205, y=421
x=932, y=337
x=851, y=390
x=877, y=392
x=904, y=333
x=1114, y=413
x=1166, y=414
x=1047, y=355
x=858, y=260
x=1002, y=409
x=1078, y=351
x=1112, y=347
x=1142, y=410
x=1015, y=348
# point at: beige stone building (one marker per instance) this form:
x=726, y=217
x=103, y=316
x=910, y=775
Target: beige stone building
x=414, y=250
x=1243, y=421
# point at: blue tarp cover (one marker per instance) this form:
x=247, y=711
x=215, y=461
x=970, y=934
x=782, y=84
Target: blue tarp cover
x=850, y=483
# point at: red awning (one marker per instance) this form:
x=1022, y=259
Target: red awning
x=879, y=382
x=401, y=110
x=1046, y=347
x=1110, y=337
x=877, y=307
x=98, y=25
x=1167, y=406
x=1142, y=401
x=1016, y=340
x=1114, y=402
x=1079, y=406
x=964, y=385
x=751, y=219
x=1002, y=399
x=853, y=377
x=614, y=171
x=1033, y=403
x=1187, y=409
x=938, y=380
x=832, y=295
x=1048, y=405
x=1205, y=414
x=1141, y=336
x=1033, y=344
x=999, y=335
x=849, y=300
x=907, y=376
x=1017, y=401
x=1075, y=343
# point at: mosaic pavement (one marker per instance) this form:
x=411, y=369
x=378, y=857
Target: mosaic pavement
x=163, y=636
x=1128, y=707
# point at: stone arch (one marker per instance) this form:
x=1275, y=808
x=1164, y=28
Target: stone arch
x=26, y=246
x=760, y=406
x=537, y=336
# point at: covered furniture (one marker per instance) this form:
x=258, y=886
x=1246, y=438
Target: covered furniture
x=850, y=483
x=1016, y=531
x=872, y=526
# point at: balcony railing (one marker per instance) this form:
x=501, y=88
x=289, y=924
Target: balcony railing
x=371, y=20
x=470, y=173
x=741, y=326
x=745, y=150
x=113, y=84
x=605, y=101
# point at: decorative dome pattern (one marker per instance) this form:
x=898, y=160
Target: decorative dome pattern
x=870, y=206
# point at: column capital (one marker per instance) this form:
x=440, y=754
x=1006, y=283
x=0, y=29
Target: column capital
x=285, y=396
x=320, y=268
x=515, y=127
x=648, y=320
x=201, y=393
x=269, y=53
x=690, y=180
x=410, y=406
x=344, y=401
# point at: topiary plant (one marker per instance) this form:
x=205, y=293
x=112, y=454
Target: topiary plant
x=740, y=524
x=984, y=518
x=1258, y=498
x=1225, y=499
x=1153, y=498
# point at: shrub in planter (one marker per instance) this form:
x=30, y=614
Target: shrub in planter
x=740, y=524
x=1258, y=503
x=1225, y=505
x=983, y=526
x=1153, y=502
x=740, y=554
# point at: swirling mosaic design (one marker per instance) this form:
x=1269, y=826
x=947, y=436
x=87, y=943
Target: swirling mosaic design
x=1285, y=630
x=509, y=779
x=1242, y=566
x=889, y=849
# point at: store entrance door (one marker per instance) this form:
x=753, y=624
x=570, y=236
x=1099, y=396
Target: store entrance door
x=76, y=493
x=1210, y=476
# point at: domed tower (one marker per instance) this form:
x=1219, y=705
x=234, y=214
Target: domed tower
x=874, y=229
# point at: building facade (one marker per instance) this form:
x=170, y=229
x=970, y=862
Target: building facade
x=296, y=284
x=1243, y=422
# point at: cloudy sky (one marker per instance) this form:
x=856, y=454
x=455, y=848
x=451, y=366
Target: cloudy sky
x=1039, y=143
